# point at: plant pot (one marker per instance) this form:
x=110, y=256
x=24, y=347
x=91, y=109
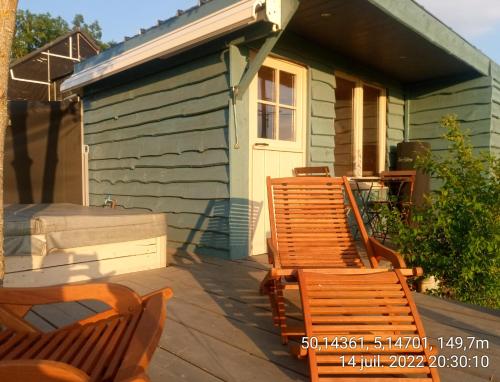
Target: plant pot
x=428, y=283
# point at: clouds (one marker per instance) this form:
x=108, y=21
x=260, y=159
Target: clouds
x=470, y=18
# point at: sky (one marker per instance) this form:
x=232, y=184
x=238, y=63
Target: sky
x=478, y=21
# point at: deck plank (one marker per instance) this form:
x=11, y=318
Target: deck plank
x=219, y=327
x=253, y=340
x=62, y=314
x=166, y=366
x=225, y=306
x=220, y=358
x=39, y=322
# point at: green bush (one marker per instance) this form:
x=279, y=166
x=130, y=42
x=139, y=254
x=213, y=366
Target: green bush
x=455, y=235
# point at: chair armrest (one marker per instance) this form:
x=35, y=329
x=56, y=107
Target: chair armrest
x=118, y=297
x=166, y=292
x=272, y=253
x=380, y=250
x=40, y=371
x=144, y=340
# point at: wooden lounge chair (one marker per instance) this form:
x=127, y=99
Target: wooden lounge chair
x=363, y=324
x=310, y=229
x=115, y=345
x=311, y=171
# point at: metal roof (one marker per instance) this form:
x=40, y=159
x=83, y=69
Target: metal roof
x=406, y=17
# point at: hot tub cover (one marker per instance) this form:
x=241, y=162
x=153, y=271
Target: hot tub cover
x=38, y=229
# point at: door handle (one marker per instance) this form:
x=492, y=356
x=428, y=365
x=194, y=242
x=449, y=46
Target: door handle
x=261, y=144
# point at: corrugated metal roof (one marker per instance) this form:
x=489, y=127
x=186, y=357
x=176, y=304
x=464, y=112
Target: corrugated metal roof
x=429, y=28
x=182, y=17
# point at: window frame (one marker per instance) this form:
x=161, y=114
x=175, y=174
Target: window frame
x=357, y=124
x=300, y=107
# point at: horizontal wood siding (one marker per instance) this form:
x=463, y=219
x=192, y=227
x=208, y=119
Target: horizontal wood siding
x=322, y=65
x=469, y=99
x=395, y=123
x=160, y=143
x=495, y=110
x=322, y=117
x=321, y=96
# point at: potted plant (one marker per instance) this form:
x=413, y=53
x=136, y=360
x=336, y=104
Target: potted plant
x=455, y=235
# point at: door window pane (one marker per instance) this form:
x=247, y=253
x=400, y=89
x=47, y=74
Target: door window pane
x=265, y=118
x=370, y=130
x=287, y=88
x=266, y=83
x=277, y=104
x=287, y=124
x=343, y=151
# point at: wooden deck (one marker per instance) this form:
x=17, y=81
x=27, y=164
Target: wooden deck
x=219, y=328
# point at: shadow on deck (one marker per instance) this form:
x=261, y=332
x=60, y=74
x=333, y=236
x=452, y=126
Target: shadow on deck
x=219, y=328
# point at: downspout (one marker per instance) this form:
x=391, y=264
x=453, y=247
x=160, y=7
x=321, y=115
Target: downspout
x=234, y=91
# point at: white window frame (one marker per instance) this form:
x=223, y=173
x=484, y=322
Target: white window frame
x=357, y=121
x=300, y=73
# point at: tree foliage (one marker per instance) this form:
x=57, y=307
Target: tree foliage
x=456, y=235
x=33, y=30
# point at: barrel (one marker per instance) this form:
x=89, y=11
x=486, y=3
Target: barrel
x=406, y=154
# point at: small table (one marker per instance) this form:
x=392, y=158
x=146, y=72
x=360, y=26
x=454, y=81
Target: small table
x=364, y=187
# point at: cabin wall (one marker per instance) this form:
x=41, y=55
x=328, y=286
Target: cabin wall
x=322, y=117
x=321, y=87
x=321, y=96
x=395, y=124
x=495, y=110
x=160, y=143
x=469, y=99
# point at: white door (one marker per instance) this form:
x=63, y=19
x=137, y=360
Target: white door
x=277, y=136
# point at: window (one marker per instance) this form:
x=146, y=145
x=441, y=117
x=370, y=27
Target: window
x=276, y=104
x=359, y=128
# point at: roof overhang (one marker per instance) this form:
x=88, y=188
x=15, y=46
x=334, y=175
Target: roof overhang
x=235, y=16
x=396, y=38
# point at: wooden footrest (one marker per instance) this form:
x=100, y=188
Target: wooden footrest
x=363, y=325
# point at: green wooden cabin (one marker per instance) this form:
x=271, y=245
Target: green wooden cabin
x=190, y=116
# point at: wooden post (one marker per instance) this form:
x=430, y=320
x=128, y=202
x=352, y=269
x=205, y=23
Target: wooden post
x=7, y=24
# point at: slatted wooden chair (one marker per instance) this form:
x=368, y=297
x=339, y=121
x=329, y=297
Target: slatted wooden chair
x=115, y=345
x=311, y=171
x=310, y=229
x=363, y=317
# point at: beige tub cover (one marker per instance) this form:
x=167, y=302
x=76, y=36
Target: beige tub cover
x=38, y=229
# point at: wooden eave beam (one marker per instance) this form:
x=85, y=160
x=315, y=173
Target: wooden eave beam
x=289, y=7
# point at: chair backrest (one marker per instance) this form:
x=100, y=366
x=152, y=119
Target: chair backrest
x=311, y=171
x=401, y=183
x=309, y=215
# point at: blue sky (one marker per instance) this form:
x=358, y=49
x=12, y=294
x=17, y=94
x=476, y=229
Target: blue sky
x=476, y=20
x=118, y=18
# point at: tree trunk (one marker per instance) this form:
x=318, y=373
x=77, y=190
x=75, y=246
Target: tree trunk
x=7, y=25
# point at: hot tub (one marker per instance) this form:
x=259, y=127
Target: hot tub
x=48, y=244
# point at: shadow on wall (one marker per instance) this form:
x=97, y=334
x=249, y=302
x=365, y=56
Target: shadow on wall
x=210, y=233
x=21, y=162
x=51, y=154
x=43, y=160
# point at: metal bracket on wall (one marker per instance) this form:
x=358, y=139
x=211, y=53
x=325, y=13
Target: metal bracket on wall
x=289, y=9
